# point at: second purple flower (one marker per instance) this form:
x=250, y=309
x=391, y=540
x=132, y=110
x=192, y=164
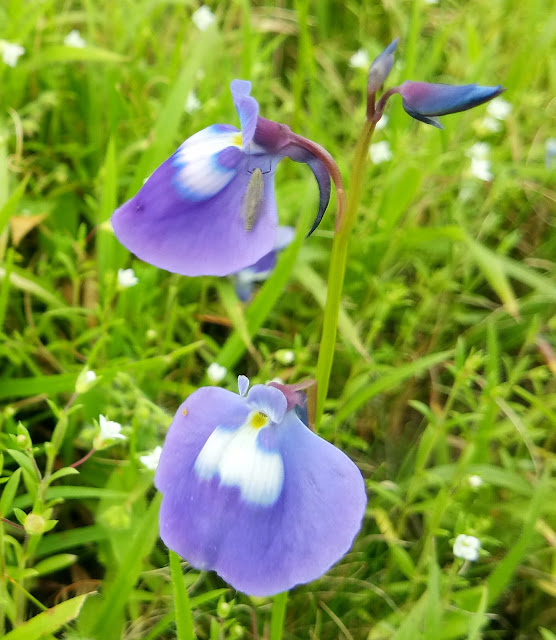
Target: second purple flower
x=210, y=208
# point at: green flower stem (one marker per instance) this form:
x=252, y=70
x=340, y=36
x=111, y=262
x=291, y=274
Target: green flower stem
x=336, y=274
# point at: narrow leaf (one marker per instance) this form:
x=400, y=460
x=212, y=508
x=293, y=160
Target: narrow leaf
x=49, y=621
x=182, y=606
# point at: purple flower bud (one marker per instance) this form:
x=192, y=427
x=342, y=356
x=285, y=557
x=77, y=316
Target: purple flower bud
x=381, y=67
x=424, y=101
x=252, y=493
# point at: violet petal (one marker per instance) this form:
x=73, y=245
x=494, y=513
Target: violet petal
x=259, y=548
x=424, y=100
x=381, y=67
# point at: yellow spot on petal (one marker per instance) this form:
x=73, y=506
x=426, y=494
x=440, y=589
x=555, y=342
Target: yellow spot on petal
x=258, y=420
x=237, y=140
x=185, y=412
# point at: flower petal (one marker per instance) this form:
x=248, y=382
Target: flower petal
x=168, y=224
x=207, y=161
x=247, y=109
x=424, y=100
x=269, y=400
x=258, y=548
x=381, y=67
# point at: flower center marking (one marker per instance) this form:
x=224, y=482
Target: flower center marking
x=258, y=420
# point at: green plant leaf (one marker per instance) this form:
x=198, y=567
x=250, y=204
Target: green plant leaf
x=49, y=621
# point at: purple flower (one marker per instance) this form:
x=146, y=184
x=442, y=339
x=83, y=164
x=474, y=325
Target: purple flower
x=424, y=101
x=261, y=270
x=210, y=209
x=252, y=493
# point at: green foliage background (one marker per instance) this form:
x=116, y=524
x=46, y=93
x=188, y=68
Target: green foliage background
x=444, y=367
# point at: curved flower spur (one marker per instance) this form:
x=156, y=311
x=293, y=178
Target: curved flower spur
x=251, y=492
x=210, y=208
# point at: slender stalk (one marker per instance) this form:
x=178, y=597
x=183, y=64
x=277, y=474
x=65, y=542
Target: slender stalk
x=278, y=616
x=336, y=274
x=83, y=459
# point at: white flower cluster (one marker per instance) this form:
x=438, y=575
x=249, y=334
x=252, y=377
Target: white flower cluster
x=467, y=547
x=380, y=152
x=109, y=431
x=11, y=52
x=360, y=60
x=203, y=18
x=480, y=163
x=127, y=278
x=74, y=39
x=151, y=460
x=497, y=111
x=216, y=373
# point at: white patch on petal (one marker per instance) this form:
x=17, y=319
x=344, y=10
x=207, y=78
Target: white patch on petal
x=236, y=458
x=199, y=176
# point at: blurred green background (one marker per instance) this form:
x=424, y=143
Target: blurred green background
x=445, y=365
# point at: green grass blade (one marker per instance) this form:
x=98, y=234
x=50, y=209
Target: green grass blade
x=500, y=578
x=479, y=619
x=166, y=127
x=107, y=618
x=278, y=616
x=182, y=605
x=49, y=621
x=309, y=278
x=389, y=381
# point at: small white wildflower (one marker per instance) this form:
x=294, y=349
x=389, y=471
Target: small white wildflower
x=382, y=123
x=203, y=18
x=85, y=380
x=467, y=547
x=480, y=168
x=285, y=356
x=380, y=152
x=151, y=460
x=127, y=278
x=192, y=103
x=499, y=108
x=491, y=124
x=11, y=52
x=109, y=430
x=475, y=481
x=74, y=39
x=360, y=60
x=479, y=151
x=216, y=373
